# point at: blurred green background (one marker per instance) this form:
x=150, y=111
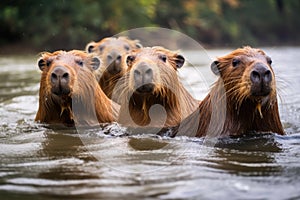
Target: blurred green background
x=31, y=25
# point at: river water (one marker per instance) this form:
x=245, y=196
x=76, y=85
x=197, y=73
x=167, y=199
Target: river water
x=38, y=162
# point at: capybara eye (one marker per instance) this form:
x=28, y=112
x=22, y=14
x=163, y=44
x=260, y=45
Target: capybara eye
x=130, y=59
x=269, y=60
x=235, y=62
x=126, y=47
x=163, y=58
x=80, y=63
x=101, y=47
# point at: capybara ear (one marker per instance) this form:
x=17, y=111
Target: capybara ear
x=90, y=47
x=42, y=63
x=95, y=63
x=179, y=60
x=215, y=67
x=138, y=44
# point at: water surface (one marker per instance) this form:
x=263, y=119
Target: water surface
x=38, y=162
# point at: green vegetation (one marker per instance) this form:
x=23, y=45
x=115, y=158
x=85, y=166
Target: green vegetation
x=65, y=24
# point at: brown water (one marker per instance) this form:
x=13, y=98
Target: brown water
x=41, y=163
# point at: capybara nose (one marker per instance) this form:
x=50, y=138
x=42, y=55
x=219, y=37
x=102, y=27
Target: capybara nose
x=143, y=77
x=114, y=63
x=143, y=74
x=261, y=74
x=261, y=78
x=60, y=78
x=60, y=74
x=113, y=56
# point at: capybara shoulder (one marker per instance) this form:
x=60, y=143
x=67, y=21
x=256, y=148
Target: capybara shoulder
x=152, y=94
x=67, y=84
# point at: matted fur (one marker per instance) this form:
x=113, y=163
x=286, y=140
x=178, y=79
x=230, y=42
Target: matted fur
x=104, y=47
x=85, y=92
x=230, y=108
x=168, y=92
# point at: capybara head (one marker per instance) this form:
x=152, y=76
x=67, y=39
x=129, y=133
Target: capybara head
x=111, y=50
x=247, y=74
x=151, y=93
x=243, y=100
x=60, y=71
x=66, y=76
x=153, y=70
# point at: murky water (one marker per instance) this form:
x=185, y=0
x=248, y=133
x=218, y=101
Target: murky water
x=41, y=163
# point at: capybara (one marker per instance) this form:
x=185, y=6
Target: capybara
x=111, y=51
x=67, y=79
x=151, y=93
x=243, y=100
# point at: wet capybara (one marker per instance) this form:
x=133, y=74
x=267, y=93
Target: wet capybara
x=111, y=51
x=243, y=99
x=67, y=84
x=151, y=93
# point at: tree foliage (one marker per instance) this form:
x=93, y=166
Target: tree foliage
x=64, y=24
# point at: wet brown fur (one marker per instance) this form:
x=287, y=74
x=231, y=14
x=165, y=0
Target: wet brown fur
x=120, y=45
x=85, y=92
x=168, y=92
x=229, y=108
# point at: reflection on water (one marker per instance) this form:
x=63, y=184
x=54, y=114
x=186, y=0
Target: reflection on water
x=38, y=162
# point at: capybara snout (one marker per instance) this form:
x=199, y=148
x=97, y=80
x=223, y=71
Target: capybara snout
x=114, y=62
x=261, y=78
x=143, y=78
x=60, y=78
